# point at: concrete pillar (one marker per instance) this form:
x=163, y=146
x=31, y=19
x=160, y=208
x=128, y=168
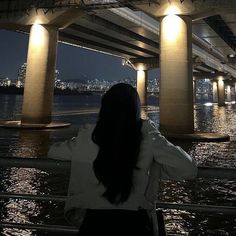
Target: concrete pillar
x=194, y=90
x=235, y=91
x=176, y=85
x=221, y=90
x=215, y=92
x=228, y=93
x=142, y=80
x=40, y=73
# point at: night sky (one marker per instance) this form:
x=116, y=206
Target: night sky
x=72, y=62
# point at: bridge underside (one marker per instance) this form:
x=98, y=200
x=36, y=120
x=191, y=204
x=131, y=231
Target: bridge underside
x=136, y=31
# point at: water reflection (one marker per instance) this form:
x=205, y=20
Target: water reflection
x=31, y=143
x=201, y=191
x=214, y=118
x=10, y=106
x=22, y=181
x=25, y=181
x=31, y=181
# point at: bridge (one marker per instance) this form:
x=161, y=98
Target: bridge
x=186, y=39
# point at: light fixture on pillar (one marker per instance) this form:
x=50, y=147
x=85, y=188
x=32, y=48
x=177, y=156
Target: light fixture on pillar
x=37, y=35
x=142, y=85
x=172, y=22
x=172, y=10
x=140, y=67
x=231, y=55
x=231, y=58
x=220, y=79
x=123, y=61
x=172, y=28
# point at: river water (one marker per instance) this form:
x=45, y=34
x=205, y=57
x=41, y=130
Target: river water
x=83, y=109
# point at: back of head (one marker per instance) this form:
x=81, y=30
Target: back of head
x=118, y=135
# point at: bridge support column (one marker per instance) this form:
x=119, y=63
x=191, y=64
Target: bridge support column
x=234, y=91
x=221, y=90
x=142, y=65
x=142, y=80
x=194, y=90
x=228, y=90
x=40, y=73
x=215, y=92
x=176, y=87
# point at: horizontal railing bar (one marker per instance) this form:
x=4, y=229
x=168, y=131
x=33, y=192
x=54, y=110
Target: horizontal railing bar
x=56, y=165
x=41, y=163
x=217, y=173
x=50, y=228
x=46, y=197
x=198, y=207
x=165, y=205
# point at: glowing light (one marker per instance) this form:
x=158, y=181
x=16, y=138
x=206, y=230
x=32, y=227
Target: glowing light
x=37, y=36
x=171, y=25
x=231, y=55
x=172, y=10
x=140, y=75
x=208, y=104
x=221, y=79
x=229, y=103
x=38, y=20
x=141, y=68
x=123, y=62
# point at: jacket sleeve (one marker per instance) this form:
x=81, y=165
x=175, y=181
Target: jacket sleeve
x=173, y=161
x=63, y=150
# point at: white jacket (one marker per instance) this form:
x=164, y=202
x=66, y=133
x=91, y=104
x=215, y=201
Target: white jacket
x=158, y=159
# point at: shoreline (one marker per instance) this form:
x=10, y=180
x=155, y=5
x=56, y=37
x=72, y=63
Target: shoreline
x=19, y=91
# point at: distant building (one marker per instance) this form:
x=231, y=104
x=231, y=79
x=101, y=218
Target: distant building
x=21, y=76
x=20, y=82
x=203, y=90
x=153, y=85
x=5, y=82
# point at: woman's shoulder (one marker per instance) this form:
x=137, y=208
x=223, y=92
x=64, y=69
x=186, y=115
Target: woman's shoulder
x=150, y=127
x=86, y=128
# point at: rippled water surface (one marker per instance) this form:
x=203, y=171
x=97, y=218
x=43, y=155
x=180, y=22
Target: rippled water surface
x=83, y=109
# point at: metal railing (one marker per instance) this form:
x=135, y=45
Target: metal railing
x=42, y=227
x=163, y=205
x=56, y=165
x=49, y=164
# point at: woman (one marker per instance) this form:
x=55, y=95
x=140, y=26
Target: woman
x=116, y=167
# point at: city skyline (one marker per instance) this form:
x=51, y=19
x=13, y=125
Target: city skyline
x=72, y=62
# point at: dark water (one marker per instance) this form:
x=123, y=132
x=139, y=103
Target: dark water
x=83, y=109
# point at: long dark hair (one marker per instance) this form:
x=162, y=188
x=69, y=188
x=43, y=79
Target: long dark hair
x=118, y=135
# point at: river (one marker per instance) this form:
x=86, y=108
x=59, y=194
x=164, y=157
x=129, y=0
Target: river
x=82, y=109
